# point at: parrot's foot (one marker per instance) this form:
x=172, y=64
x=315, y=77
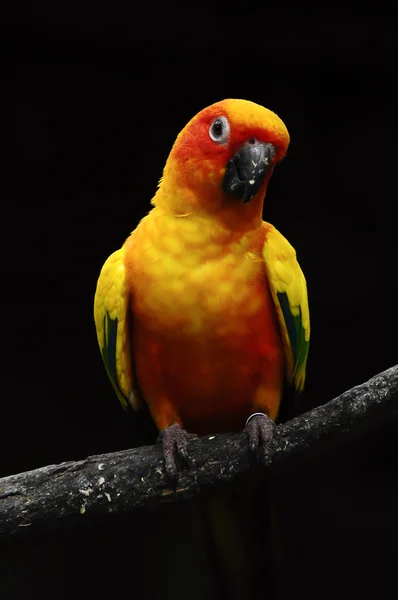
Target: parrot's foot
x=260, y=431
x=174, y=444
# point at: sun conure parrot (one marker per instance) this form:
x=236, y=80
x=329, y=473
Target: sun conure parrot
x=203, y=313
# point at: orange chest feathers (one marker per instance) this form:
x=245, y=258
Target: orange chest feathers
x=189, y=277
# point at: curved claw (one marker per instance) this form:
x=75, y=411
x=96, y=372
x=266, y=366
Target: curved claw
x=174, y=443
x=260, y=431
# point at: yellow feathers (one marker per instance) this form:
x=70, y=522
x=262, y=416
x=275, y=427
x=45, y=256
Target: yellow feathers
x=289, y=290
x=111, y=316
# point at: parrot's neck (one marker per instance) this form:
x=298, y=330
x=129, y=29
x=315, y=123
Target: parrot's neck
x=239, y=217
x=229, y=213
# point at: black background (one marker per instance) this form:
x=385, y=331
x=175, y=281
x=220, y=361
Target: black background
x=94, y=98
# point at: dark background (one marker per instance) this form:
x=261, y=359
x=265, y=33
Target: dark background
x=94, y=98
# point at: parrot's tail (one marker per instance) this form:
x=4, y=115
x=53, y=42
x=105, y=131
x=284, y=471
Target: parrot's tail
x=242, y=542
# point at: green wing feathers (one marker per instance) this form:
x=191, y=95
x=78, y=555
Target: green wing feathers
x=112, y=322
x=289, y=291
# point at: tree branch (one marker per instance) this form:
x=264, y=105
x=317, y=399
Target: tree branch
x=133, y=479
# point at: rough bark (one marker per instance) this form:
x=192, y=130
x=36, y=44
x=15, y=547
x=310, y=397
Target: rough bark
x=135, y=479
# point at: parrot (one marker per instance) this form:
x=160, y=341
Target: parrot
x=202, y=315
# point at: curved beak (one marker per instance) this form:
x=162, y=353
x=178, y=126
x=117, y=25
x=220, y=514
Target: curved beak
x=246, y=171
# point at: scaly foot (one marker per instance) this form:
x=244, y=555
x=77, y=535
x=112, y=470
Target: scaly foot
x=260, y=431
x=174, y=444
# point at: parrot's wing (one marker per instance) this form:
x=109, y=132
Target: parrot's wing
x=113, y=324
x=289, y=291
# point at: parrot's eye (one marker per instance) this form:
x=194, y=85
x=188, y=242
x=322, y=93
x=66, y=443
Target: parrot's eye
x=219, y=130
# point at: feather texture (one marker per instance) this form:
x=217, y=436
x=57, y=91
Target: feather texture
x=112, y=321
x=289, y=291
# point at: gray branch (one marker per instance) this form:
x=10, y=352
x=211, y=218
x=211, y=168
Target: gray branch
x=135, y=479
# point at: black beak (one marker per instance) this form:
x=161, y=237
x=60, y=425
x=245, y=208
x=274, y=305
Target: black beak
x=246, y=171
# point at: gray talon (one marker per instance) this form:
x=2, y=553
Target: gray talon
x=260, y=431
x=174, y=442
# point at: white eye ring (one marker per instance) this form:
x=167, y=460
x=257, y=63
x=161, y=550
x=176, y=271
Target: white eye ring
x=219, y=130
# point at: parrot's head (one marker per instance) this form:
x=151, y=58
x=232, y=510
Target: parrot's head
x=223, y=158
